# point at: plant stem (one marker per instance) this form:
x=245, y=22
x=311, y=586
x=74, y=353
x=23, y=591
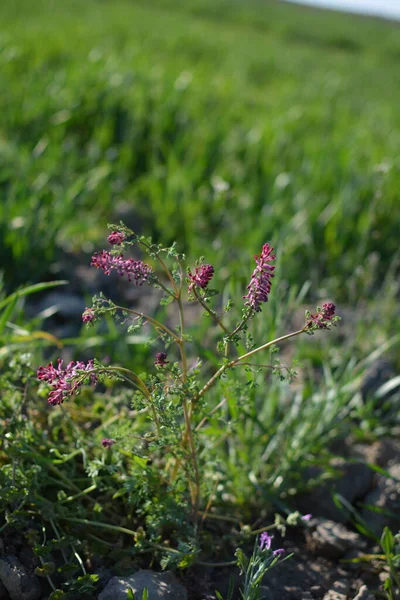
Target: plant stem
x=115, y=528
x=209, y=310
x=156, y=324
x=230, y=563
x=165, y=268
x=234, y=362
x=187, y=414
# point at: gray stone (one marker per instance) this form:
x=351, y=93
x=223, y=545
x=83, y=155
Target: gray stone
x=385, y=496
x=338, y=591
x=331, y=539
x=294, y=592
x=67, y=304
x=20, y=584
x=3, y=593
x=382, y=453
x=379, y=373
x=363, y=594
x=160, y=586
x=354, y=481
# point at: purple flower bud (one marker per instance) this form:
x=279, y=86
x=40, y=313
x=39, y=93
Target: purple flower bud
x=88, y=316
x=307, y=517
x=279, y=551
x=321, y=319
x=201, y=277
x=260, y=282
x=107, y=443
x=116, y=238
x=161, y=359
x=265, y=541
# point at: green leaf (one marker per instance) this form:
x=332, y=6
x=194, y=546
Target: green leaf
x=139, y=460
x=7, y=314
x=32, y=289
x=387, y=541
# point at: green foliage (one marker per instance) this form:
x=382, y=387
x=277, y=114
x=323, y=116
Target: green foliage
x=220, y=147
x=391, y=548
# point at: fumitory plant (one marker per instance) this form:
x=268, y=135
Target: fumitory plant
x=176, y=395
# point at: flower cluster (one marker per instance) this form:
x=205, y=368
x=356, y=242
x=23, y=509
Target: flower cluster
x=88, y=316
x=260, y=283
x=201, y=277
x=322, y=319
x=136, y=270
x=161, y=359
x=266, y=541
x=107, y=443
x=116, y=238
x=65, y=381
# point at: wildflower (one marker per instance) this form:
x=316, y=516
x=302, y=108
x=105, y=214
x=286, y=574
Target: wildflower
x=63, y=380
x=201, y=277
x=88, y=316
x=260, y=282
x=136, y=270
x=107, y=443
x=265, y=541
x=116, y=238
x=279, y=551
x=307, y=517
x=322, y=319
x=161, y=359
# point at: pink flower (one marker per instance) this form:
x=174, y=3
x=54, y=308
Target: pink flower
x=88, y=316
x=161, y=359
x=201, y=277
x=279, y=551
x=260, y=282
x=307, y=517
x=323, y=318
x=116, y=238
x=64, y=380
x=136, y=270
x=265, y=541
x=107, y=443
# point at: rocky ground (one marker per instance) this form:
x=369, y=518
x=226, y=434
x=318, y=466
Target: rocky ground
x=327, y=563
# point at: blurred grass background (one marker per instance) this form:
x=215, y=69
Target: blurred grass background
x=219, y=124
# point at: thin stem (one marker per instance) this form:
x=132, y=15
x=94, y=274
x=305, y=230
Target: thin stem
x=234, y=362
x=134, y=380
x=262, y=529
x=230, y=563
x=156, y=324
x=187, y=414
x=210, y=311
x=59, y=539
x=200, y=425
x=195, y=491
x=207, y=515
x=82, y=493
x=165, y=268
x=115, y=528
x=147, y=393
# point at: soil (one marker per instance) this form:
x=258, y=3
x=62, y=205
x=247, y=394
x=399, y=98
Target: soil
x=319, y=569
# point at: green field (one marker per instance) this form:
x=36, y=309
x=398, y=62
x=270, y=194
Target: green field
x=150, y=105
x=221, y=125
